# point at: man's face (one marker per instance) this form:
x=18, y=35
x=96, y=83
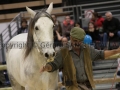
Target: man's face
x=108, y=16
x=75, y=42
x=67, y=18
x=64, y=41
x=24, y=24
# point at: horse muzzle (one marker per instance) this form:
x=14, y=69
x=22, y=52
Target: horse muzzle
x=47, y=55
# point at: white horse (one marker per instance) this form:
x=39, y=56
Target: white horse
x=24, y=63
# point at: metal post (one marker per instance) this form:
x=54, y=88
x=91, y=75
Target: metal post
x=21, y=14
x=77, y=13
x=45, y=3
x=2, y=49
x=81, y=16
x=73, y=13
x=17, y=22
x=9, y=29
x=81, y=11
x=20, y=17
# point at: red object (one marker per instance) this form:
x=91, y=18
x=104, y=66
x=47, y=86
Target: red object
x=99, y=22
x=65, y=23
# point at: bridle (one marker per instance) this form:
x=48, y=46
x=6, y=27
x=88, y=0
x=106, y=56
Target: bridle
x=43, y=13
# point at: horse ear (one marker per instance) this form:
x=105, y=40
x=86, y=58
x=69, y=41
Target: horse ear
x=31, y=12
x=50, y=8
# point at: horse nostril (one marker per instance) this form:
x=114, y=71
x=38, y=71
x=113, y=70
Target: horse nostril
x=46, y=55
x=53, y=53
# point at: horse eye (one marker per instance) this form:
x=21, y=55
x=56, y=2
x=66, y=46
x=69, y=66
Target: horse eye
x=36, y=28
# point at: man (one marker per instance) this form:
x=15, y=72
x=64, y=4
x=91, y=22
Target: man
x=68, y=24
x=76, y=63
x=24, y=26
x=111, y=26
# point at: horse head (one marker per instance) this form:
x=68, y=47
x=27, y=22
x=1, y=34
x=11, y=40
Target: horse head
x=41, y=32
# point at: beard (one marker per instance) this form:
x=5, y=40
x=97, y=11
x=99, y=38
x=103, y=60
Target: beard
x=76, y=45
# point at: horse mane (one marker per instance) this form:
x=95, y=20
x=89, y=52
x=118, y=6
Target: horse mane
x=30, y=41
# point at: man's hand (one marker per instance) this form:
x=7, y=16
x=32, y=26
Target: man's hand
x=119, y=49
x=42, y=69
x=111, y=34
x=47, y=67
x=108, y=53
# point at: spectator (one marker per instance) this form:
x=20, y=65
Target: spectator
x=77, y=24
x=62, y=39
x=111, y=26
x=24, y=27
x=93, y=32
x=57, y=24
x=98, y=21
x=68, y=24
x=58, y=28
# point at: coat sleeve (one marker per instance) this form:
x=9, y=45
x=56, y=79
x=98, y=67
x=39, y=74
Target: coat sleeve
x=105, y=29
x=117, y=26
x=96, y=54
x=57, y=63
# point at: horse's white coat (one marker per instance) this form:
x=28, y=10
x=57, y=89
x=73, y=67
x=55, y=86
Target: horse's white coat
x=26, y=72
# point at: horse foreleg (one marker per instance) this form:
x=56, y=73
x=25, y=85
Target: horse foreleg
x=15, y=85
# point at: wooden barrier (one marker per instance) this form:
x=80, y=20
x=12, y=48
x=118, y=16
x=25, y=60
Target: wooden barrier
x=29, y=4
x=21, y=5
x=3, y=67
x=12, y=15
x=106, y=80
x=8, y=88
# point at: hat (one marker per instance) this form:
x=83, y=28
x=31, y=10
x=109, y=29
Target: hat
x=77, y=33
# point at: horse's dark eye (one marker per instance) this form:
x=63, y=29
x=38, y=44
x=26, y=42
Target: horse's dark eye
x=36, y=28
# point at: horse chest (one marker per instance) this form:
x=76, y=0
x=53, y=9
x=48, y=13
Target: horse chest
x=31, y=68
x=31, y=71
